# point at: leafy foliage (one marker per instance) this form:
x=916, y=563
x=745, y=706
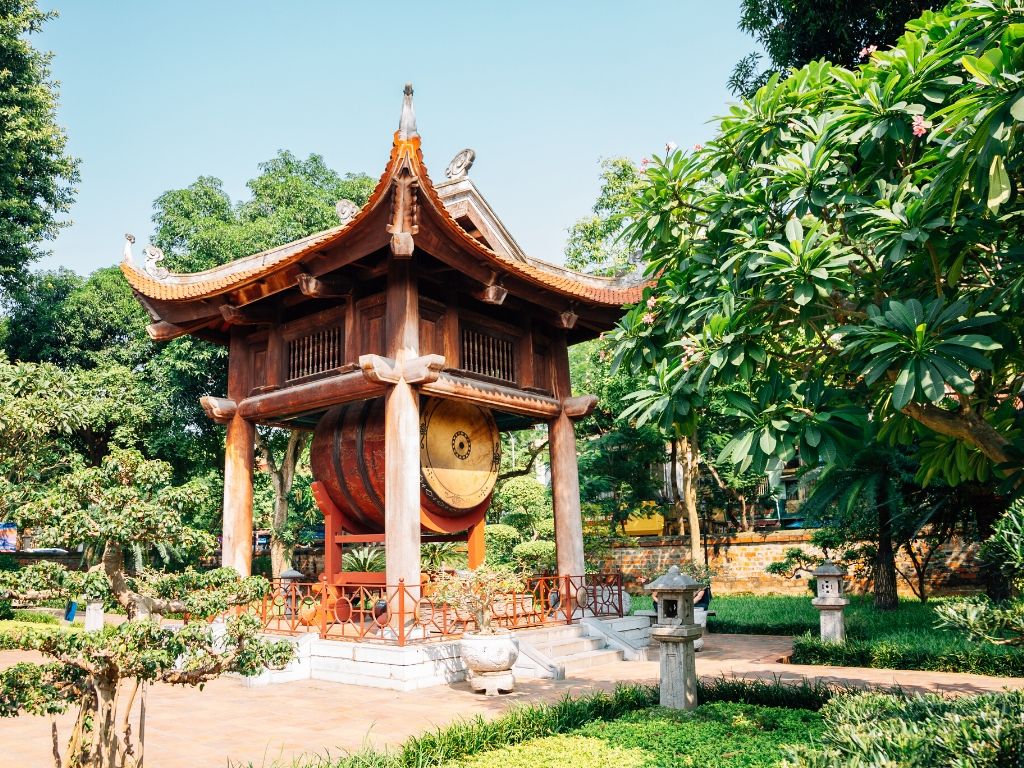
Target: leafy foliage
x=919, y=730
x=797, y=32
x=475, y=591
x=832, y=254
x=594, y=245
x=37, y=176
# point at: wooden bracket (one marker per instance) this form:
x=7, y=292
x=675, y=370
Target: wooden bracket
x=219, y=409
x=493, y=291
x=567, y=319
x=162, y=330
x=405, y=215
x=579, y=407
x=419, y=370
x=234, y=316
x=324, y=287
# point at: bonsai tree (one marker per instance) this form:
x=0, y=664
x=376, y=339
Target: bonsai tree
x=125, y=508
x=475, y=592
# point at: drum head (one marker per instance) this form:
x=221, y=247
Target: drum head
x=460, y=452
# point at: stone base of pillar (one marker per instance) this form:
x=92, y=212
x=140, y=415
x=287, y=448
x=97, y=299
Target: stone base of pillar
x=678, y=665
x=491, y=683
x=833, y=624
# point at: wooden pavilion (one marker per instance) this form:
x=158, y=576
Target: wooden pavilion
x=420, y=294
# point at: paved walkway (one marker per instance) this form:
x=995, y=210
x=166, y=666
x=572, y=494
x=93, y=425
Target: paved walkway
x=225, y=722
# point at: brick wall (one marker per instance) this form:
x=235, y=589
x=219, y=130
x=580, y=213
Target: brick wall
x=741, y=559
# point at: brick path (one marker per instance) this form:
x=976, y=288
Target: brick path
x=187, y=728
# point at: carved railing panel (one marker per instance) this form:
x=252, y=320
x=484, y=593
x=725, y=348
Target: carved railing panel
x=316, y=352
x=488, y=355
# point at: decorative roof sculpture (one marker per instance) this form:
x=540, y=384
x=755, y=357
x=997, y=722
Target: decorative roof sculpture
x=183, y=303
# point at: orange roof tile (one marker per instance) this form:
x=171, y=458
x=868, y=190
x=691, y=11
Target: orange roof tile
x=221, y=279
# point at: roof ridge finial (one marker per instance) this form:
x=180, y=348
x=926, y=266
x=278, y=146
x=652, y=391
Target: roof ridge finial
x=407, y=125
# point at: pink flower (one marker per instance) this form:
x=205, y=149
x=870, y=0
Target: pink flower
x=698, y=147
x=919, y=126
x=648, y=318
x=602, y=355
x=670, y=147
x=867, y=51
x=645, y=162
x=652, y=302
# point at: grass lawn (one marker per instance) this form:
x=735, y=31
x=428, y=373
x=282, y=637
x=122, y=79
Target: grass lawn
x=905, y=638
x=716, y=734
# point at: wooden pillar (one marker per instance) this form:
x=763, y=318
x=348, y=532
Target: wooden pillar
x=236, y=550
x=565, y=477
x=402, y=432
x=475, y=545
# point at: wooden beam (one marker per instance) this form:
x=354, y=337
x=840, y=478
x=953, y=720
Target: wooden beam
x=491, y=294
x=239, y=449
x=502, y=398
x=162, y=330
x=235, y=316
x=219, y=409
x=402, y=430
x=565, y=476
x=334, y=287
x=311, y=396
x=579, y=407
x=384, y=370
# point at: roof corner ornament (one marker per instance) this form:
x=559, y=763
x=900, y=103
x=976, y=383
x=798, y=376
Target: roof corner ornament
x=346, y=210
x=407, y=124
x=153, y=255
x=460, y=164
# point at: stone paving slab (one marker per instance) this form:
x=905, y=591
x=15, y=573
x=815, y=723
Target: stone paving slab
x=188, y=728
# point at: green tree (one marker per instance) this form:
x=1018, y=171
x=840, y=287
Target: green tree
x=796, y=32
x=37, y=176
x=847, y=246
x=595, y=244
x=126, y=504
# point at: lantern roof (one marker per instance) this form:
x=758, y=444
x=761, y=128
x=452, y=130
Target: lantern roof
x=828, y=568
x=453, y=223
x=673, y=580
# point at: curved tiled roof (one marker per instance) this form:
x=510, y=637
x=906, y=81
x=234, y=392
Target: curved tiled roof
x=608, y=291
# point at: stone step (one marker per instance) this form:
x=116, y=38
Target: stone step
x=628, y=623
x=587, y=659
x=570, y=647
x=547, y=635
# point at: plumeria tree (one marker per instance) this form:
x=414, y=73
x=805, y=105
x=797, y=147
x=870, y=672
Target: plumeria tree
x=126, y=509
x=848, y=247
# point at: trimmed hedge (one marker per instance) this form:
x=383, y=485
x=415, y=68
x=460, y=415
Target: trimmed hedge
x=910, y=651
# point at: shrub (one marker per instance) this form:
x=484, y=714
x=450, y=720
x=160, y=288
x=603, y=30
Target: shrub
x=911, y=650
x=368, y=559
x=874, y=729
x=6, y=612
x=500, y=540
x=535, y=556
x=35, y=617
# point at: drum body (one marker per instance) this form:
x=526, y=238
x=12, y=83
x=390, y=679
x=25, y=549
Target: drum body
x=460, y=452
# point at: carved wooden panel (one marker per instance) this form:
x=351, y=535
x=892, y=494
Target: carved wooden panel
x=488, y=354
x=431, y=327
x=541, y=365
x=372, y=327
x=314, y=344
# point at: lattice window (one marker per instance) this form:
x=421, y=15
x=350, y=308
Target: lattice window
x=488, y=355
x=316, y=352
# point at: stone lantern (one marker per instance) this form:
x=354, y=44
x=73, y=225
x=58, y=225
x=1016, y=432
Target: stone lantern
x=830, y=601
x=676, y=630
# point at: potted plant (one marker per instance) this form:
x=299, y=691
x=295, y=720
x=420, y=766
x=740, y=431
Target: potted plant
x=490, y=651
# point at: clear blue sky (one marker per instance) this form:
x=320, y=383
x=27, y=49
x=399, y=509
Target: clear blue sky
x=154, y=95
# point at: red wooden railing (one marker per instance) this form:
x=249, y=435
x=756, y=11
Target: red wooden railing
x=401, y=615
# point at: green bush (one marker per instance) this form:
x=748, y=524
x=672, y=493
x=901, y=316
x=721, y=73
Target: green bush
x=6, y=611
x=35, y=617
x=535, y=556
x=500, y=540
x=874, y=729
x=909, y=650
x=8, y=562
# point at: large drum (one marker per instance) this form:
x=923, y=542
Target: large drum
x=460, y=452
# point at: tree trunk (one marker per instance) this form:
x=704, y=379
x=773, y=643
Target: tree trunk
x=281, y=478
x=965, y=425
x=671, y=525
x=885, y=561
x=690, y=478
